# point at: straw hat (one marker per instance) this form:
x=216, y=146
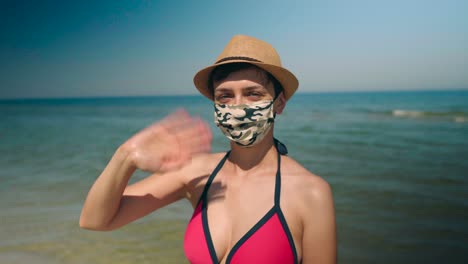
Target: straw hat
x=254, y=51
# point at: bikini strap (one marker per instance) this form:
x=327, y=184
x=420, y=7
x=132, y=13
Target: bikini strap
x=280, y=147
x=212, y=176
x=279, y=211
x=278, y=180
x=220, y=165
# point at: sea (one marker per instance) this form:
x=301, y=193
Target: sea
x=397, y=162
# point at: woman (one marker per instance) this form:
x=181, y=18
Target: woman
x=252, y=204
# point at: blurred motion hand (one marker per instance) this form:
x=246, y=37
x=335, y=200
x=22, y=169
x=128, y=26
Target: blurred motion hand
x=168, y=144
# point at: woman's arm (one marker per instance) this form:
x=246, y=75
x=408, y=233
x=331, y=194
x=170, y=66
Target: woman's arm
x=319, y=237
x=104, y=197
x=164, y=147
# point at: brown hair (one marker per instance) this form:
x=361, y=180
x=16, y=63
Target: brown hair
x=222, y=72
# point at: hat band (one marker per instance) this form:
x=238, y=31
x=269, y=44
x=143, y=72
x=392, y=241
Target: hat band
x=237, y=58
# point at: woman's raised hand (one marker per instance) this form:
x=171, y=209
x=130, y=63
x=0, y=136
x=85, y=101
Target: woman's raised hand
x=170, y=143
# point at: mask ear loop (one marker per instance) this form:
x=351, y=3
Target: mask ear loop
x=274, y=99
x=282, y=150
x=276, y=95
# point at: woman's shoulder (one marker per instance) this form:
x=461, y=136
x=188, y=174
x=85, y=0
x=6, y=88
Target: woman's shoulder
x=204, y=161
x=201, y=164
x=303, y=185
x=197, y=172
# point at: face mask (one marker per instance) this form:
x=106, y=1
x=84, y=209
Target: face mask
x=245, y=124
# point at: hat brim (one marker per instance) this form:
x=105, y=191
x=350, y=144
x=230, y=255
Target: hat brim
x=287, y=80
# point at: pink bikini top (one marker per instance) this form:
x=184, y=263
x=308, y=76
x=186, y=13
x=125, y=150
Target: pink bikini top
x=268, y=241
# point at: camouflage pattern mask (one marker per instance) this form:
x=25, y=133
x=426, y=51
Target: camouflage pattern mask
x=245, y=124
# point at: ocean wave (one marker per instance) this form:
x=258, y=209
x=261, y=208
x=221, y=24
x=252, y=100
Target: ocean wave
x=455, y=116
x=407, y=113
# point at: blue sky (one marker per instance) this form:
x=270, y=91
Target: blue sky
x=119, y=48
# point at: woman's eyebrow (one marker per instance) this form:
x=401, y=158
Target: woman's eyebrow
x=222, y=89
x=254, y=87
x=248, y=88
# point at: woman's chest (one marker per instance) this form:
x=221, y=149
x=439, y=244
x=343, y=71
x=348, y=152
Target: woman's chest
x=246, y=217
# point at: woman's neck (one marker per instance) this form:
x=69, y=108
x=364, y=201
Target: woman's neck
x=247, y=158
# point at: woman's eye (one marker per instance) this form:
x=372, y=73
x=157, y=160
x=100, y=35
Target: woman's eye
x=255, y=94
x=222, y=97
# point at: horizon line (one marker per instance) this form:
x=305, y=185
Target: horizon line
x=87, y=97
